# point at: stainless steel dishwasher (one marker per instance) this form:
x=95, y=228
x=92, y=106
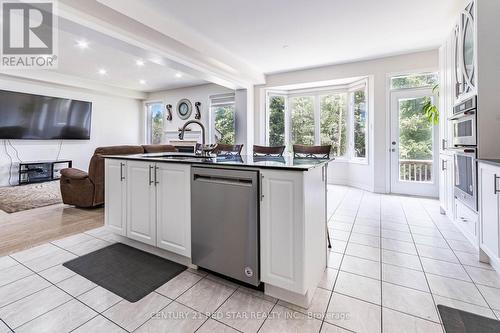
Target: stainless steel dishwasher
x=225, y=222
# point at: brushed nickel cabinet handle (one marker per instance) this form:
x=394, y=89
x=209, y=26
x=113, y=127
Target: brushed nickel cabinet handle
x=261, y=189
x=150, y=177
x=156, y=175
x=495, y=182
x=122, y=177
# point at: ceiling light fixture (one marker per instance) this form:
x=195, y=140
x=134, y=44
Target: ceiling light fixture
x=102, y=71
x=178, y=75
x=83, y=44
x=142, y=82
x=139, y=62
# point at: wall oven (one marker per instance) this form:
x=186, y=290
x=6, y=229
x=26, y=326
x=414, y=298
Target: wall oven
x=466, y=176
x=464, y=123
x=465, y=151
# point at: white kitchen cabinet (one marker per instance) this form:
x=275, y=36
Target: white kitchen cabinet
x=489, y=208
x=446, y=184
x=293, y=234
x=173, y=207
x=467, y=221
x=115, y=196
x=141, y=202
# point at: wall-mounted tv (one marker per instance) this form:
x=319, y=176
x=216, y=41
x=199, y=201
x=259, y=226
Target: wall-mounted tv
x=36, y=117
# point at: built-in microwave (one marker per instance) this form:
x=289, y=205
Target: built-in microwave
x=464, y=123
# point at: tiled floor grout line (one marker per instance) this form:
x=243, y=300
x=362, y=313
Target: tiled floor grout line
x=72, y=297
x=452, y=250
x=11, y=330
x=381, y=269
x=343, y=255
x=425, y=274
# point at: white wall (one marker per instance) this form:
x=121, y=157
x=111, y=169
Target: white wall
x=375, y=175
x=115, y=121
x=195, y=94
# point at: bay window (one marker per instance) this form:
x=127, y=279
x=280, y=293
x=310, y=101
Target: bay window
x=336, y=116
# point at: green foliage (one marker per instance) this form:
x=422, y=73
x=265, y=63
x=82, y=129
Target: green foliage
x=224, y=123
x=430, y=109
x=277, y=121
x=156, y=123
x=414, y=81
x=333, y=123
x=415, y=130
x=359, y=123
x=302, y=120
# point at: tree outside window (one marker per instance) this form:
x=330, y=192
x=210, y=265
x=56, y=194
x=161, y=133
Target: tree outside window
x=156, y=114
x=276, y=120
x=302, y=126
x=359, y=123
x=333, y=124
x=224, y=123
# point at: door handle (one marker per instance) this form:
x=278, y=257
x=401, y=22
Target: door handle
x=122, y=177
x=150, y=176
x=156, y=175
x=495, y=180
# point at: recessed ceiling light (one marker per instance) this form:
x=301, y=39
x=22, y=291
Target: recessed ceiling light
x=139, y=62
x=178, y=75
x=102, y=71
x=142, y=81
x=83, y=44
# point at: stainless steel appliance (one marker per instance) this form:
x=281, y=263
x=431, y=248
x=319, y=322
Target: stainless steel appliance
x=465, y=151
x=466, y=176
x=225, y=222
x=464, y=123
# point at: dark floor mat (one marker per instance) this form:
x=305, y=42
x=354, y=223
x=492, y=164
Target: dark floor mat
x=458, y=321
x=126, y=271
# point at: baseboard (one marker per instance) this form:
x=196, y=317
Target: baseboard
x=346, y=182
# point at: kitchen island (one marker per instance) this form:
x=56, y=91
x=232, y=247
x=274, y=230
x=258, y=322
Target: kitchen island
x=148, y=199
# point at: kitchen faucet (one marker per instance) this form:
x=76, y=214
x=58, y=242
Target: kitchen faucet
x=204, y=151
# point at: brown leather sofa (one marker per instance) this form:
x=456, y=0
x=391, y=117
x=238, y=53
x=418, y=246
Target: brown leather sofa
x=86, y=189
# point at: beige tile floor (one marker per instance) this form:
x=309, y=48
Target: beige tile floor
x=393, y=260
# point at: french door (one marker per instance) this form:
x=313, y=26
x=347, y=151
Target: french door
x=413, y=147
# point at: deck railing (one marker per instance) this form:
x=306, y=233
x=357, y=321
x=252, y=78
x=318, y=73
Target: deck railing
x=415, y=170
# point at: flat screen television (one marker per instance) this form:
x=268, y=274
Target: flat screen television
x=36, y=117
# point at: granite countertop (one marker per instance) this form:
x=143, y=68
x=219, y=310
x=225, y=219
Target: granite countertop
x=490, y=161
x=265, y=162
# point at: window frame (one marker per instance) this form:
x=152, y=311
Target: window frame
x=317, y=93
x=148, y=121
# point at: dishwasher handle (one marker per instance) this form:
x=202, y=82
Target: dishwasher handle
x=223, y=180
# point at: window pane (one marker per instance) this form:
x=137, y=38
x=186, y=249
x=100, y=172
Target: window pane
x=415, y=141
x=224, y=124
x=333, y=122
x=414, y=81
x=302, y=112
x=276, y=120
x=156, y=113
x=360, y=123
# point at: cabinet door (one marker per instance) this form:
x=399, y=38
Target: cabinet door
x=141, y=212
x=281, y=233
x=115, y=196
x=488, y=207
x=173, y=197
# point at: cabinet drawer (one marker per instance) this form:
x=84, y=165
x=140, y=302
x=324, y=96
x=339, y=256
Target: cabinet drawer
x=467, y=220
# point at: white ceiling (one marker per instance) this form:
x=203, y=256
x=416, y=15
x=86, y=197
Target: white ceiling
x=280, y=35
x=117, y=58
